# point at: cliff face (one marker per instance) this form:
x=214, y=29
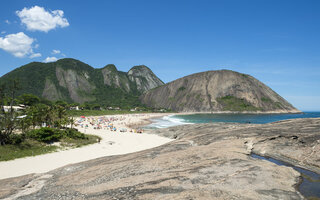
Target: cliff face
x=139, y=78
x=74, y=81
x=144, y=78
x=112, y=77
x=215, y=91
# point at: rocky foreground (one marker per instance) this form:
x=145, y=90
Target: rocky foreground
x=206, y=161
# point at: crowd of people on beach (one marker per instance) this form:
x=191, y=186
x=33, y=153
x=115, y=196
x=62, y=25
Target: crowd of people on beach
x=105, y=123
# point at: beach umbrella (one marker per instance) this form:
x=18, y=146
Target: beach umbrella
x=83, y=117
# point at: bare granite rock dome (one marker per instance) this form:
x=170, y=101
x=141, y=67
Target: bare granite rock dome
x=217, y=91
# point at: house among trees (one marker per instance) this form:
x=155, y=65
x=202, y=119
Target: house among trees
x=15, y=108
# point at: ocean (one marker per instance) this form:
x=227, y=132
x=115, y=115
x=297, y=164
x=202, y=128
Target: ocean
x=175, y=120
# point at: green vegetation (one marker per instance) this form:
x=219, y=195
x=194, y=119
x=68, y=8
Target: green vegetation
x=245, y=75
x=198, y=97
x=265, y=99
x=21, y=129
x=33, y=147
x=278, y=105
x=274, y=105
x=231, y=103
x=24, y=149
x=181, y=89
x=76, y=142
x=67, y=136
x=33, y=76
x=45, y=134
x=182, y=105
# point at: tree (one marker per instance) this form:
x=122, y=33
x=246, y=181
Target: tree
x=24, y=123
x=28, y=99
x=61, y=103
x=8, y=116
x=61, y=115
x=87, y=106
x=39, y=114
x=71, y=122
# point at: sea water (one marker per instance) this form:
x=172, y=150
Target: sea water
x=166, y=121
x=175, y=120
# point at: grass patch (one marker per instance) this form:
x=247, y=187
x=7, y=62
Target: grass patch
x=74, y=143
x=278, y=105
x=245, y=75
x=231, y=103
x=24, y=149
x=39, y=142
x=264, y=99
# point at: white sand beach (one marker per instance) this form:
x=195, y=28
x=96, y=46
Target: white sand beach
x=112, y=143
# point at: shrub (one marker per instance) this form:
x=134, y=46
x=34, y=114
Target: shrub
x=45, y=134
x=73, y=133
x=231, y=103
x=265, y=99
x=16, y=139
x=181, y=89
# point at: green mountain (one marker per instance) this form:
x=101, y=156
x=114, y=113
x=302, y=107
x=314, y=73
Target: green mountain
x=74, y=81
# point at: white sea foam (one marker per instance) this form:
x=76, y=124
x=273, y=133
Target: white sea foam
x=167, y=121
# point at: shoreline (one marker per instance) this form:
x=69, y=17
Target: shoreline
x=242, y=112
x=146, y=121
x=111, y=143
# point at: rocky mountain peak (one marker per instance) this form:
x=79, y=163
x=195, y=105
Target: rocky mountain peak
x=144, y=78
x=139, y=70
x=110, y=67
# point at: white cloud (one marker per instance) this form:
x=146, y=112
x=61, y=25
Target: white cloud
x=54, y=51
x=7, y=21
x=35, y=55
x=50, y=59
x=3, y=32
x=38, y=19
x=19, y=44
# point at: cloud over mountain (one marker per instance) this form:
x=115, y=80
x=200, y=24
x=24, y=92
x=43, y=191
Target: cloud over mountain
x=19, y=44
x=50, y=59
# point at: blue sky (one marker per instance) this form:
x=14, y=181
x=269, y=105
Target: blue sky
x=276, y=41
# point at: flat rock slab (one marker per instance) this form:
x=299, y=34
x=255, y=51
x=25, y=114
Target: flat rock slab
x=206, y=161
